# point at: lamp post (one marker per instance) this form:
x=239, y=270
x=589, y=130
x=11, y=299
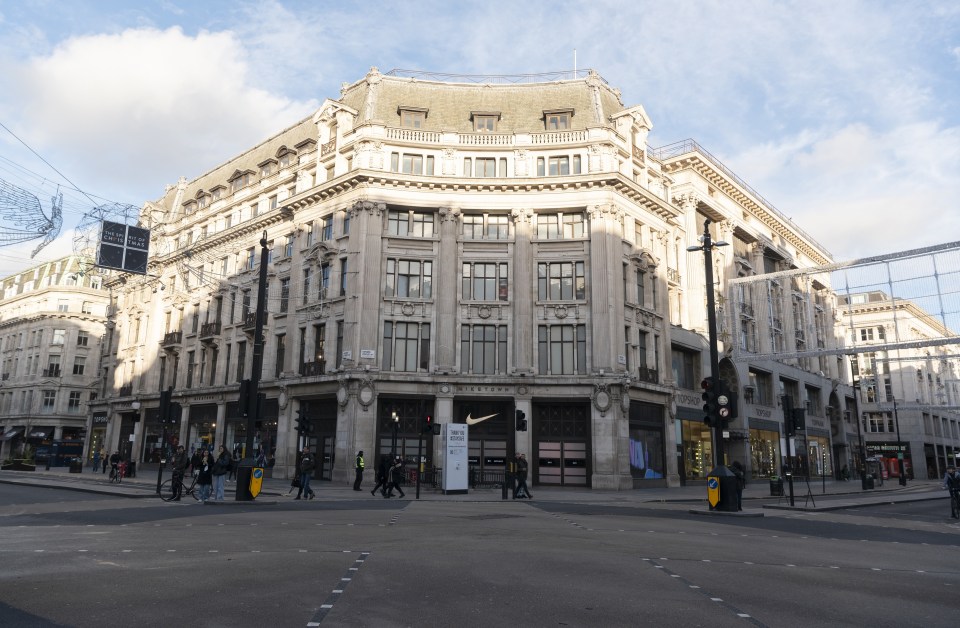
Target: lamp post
x=395, y=422
x=896, y=422
x=707, y=247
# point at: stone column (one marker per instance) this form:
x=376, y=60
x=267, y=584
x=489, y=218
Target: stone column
x=221, y=425
x=446, y=273
x=606, y=297
x=362, y=309
x=524, y=292
x=692, y=271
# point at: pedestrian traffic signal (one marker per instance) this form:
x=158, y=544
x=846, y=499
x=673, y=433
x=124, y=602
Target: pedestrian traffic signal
x=521, y=421
x=710, y=395
x=243, y=403
x=427, y=425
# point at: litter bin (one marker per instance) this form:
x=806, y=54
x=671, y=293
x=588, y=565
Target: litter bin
x=76, y=465
x=776, y=486
x=868, y=482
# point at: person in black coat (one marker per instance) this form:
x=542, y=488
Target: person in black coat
x=396, y=478
x=383, y=475
x=204, y=470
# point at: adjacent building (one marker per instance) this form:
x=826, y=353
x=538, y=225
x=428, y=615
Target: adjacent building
x=909, y=397
x=52, y=319
x=466, y=250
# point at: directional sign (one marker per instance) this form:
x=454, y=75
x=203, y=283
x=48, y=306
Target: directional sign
x=713, y=490
x=256, y=481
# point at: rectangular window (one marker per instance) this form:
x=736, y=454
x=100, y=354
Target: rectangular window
x=215, y=353
x=557, y=121
x=486, y=281
x=203, y=364
x=483, y=349
x=191, y=356
x=497, y=228
x=308, y=234
x=346, y=214
x=410, y=223
x=406, y=346
x=63, y=305
x=281, y=355
x=641, y=288
x=339, y=343
x=558, y=166
x=245, y=305
x=560, y=281
x=288, y=246
x=326, y=228
x=409, y=279
x=251, y=258
x=49, y=400
x=562, y=349
x=485, y=167
x=320, y=347
x=485, y=124
x=79, y=365
x=241, y=359
x=473, y=226
x=686, y=368
x=324, y=288
x=284, y=294
x=83, y=338
x=412, y=164
x=307, y=272
x=343, y=277
x=642, y=349
x=411, y=119
x=58, y=336
x=226, y=365
x=73, y=403
x=53, y=366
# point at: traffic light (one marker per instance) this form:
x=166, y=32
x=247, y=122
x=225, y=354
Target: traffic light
x=521, y=421
x=165, y=398
x=427, y=425
x=243, y=403
x=799, y=419
x=726, y=405
x=304, y=424
x=710, y=395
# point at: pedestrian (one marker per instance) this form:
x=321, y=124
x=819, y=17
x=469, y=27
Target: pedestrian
x=195, y=459
x=220, y=469
x=204, y=471
x=180, y=464
x=96, y=461
x=396, y=478
x=383, y=476
x=307, y=464
x=738, y=471
x=522, y=492
x=356, y=482
x=103, y=460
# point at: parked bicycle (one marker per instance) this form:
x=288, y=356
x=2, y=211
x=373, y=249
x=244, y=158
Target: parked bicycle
x=175, y=487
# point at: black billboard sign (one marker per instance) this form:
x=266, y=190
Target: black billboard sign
x=123, y=247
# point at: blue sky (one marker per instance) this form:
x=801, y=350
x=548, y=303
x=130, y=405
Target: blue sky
x=843, y=114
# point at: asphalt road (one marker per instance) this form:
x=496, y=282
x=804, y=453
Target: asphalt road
x=74, y=559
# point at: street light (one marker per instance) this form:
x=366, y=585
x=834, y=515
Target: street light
x=396, y=428
x=707, y=247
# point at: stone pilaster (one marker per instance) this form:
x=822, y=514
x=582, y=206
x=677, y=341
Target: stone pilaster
x=445, y=294
x=524, y=291
x=362, y=309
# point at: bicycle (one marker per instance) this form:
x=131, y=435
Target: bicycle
x=117, y=473
x=168, y=490
x=955, y=503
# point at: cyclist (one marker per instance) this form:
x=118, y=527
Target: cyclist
x=951, y=482
x=114, y=464
x=180, y=463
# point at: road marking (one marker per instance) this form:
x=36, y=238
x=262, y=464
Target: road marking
x=335, y=594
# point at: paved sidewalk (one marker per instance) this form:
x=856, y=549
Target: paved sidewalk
x=829, y=495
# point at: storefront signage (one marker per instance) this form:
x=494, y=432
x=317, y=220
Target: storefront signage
x=761, y=413
x=817, y=422
x=689, y=400
x=368, y=354
x=485, y=389
x=100, y=418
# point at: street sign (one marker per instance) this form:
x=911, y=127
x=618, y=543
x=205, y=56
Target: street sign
x=713, y=490
x=256, y=481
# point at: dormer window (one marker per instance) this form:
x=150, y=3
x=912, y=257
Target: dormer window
x=268, y=167
x=241, y=180
x=217, y=192
x=557, y=119
x=485, y=121
x=203, y=200
x=287, y=159
x=412, y=117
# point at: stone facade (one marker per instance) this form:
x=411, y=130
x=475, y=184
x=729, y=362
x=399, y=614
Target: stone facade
x=452, y=249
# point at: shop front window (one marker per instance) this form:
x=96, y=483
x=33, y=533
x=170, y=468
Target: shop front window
x=764, y=453
x=697, y=449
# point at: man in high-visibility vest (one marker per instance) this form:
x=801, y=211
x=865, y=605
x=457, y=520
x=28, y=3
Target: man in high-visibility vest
x=356, y=483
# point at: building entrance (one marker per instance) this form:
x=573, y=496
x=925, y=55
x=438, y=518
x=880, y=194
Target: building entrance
x=562, y=444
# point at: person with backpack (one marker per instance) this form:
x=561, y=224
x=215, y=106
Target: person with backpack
x=307, y=464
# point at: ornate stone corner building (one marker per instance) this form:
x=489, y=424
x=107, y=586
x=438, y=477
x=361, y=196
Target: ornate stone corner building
x=442, y=248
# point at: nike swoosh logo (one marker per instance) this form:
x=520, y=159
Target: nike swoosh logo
x=471, y=421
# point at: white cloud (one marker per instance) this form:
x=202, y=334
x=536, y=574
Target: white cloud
x=136, y=110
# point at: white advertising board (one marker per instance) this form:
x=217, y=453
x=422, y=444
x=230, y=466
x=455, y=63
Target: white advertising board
x=455, y=461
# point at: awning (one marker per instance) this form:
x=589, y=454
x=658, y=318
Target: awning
x=11, y=433
x=40, y=433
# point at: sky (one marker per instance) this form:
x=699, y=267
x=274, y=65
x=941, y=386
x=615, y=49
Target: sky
x=844, y=114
